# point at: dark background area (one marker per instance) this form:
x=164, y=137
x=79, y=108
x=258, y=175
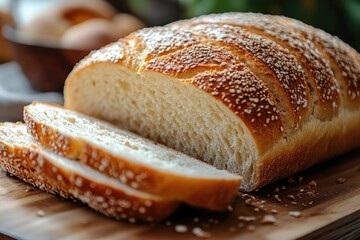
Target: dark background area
x=337, y=17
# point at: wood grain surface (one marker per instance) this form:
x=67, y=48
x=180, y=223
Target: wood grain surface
x=329, y=210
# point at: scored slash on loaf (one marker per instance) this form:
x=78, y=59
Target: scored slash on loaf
x=139, y=163
x=261, y=96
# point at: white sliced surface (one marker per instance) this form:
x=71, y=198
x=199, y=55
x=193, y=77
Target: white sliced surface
x=17, y=135
x=123, y=144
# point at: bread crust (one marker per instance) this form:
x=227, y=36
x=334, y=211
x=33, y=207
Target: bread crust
x=211, y=193
x=35, y=166
x=312, y=78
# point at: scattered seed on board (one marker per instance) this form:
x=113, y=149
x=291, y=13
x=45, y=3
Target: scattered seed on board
x=277, y=198
x=268, y=219
x=247, y=218
x=181, y=228
x=200, y=233
x=312, y=184
x=251, y=228
x=341, y=180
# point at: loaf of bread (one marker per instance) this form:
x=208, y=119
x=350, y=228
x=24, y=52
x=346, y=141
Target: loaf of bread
x=261, y=96
x=23, y=158
x=131, y=160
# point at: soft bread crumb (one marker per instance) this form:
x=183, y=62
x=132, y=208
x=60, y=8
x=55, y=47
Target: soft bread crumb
x=290, y=196
x=274, y=211
x=200, y=233
x=341, y=180
x=181, y=228
x=277, y=198
x=300, y=179
x=251, y=228
x=268, y=219
x=247, y=218
x=313, y=184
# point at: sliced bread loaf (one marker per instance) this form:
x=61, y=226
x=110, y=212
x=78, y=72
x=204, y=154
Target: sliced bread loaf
x=20, y=156
x=137, y=162
x=259, y=95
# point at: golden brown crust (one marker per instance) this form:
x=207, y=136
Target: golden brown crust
x=215, y=194
x=196, y=58
x=309, y=147
x=114, y=52
x=316, y=67
x=33, y=166
x=266, y=58
x=341, y=58
x=158, y=41
x=254, y=104
x=312, y=78
x=272, y=60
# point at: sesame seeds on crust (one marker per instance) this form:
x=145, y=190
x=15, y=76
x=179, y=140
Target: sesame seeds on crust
x=160, y=40
x=297, y=58
x=325, y=85
x=287, y=70
x=113, y=52
x=339, y=54
x=49, y=173
x=204, y=56
x=247, y=97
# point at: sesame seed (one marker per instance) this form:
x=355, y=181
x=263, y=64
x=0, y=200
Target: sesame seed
x=142, y=210
x=198, y=232
x=181, y=228
x=148, y=203
x=134, y=185
x=129, y=174
x=246, y=218
x=268, y=219
x=78, y=181
x=295, y=214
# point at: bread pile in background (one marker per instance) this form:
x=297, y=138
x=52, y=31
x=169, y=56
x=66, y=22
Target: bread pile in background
x=79, y=24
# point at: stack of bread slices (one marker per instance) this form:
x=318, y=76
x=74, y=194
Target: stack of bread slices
x=113, y=171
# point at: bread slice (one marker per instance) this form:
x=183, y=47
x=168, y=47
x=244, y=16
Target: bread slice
x=20, y=156
x=137, y=162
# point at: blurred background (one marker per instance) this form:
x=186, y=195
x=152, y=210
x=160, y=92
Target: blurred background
x=42, y=40
x=337, y=17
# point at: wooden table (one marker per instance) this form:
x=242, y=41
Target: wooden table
x=329, y=210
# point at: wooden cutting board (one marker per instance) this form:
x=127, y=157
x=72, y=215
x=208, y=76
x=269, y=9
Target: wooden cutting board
x=329, y=210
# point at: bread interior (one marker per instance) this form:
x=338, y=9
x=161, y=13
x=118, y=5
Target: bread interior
x=157, y=107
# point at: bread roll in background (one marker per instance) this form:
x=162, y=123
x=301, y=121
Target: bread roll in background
x=5, y=53
x=126, y=23
x=95, y=33
x=79, y=24
x=54, y=20
x=90, y=34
